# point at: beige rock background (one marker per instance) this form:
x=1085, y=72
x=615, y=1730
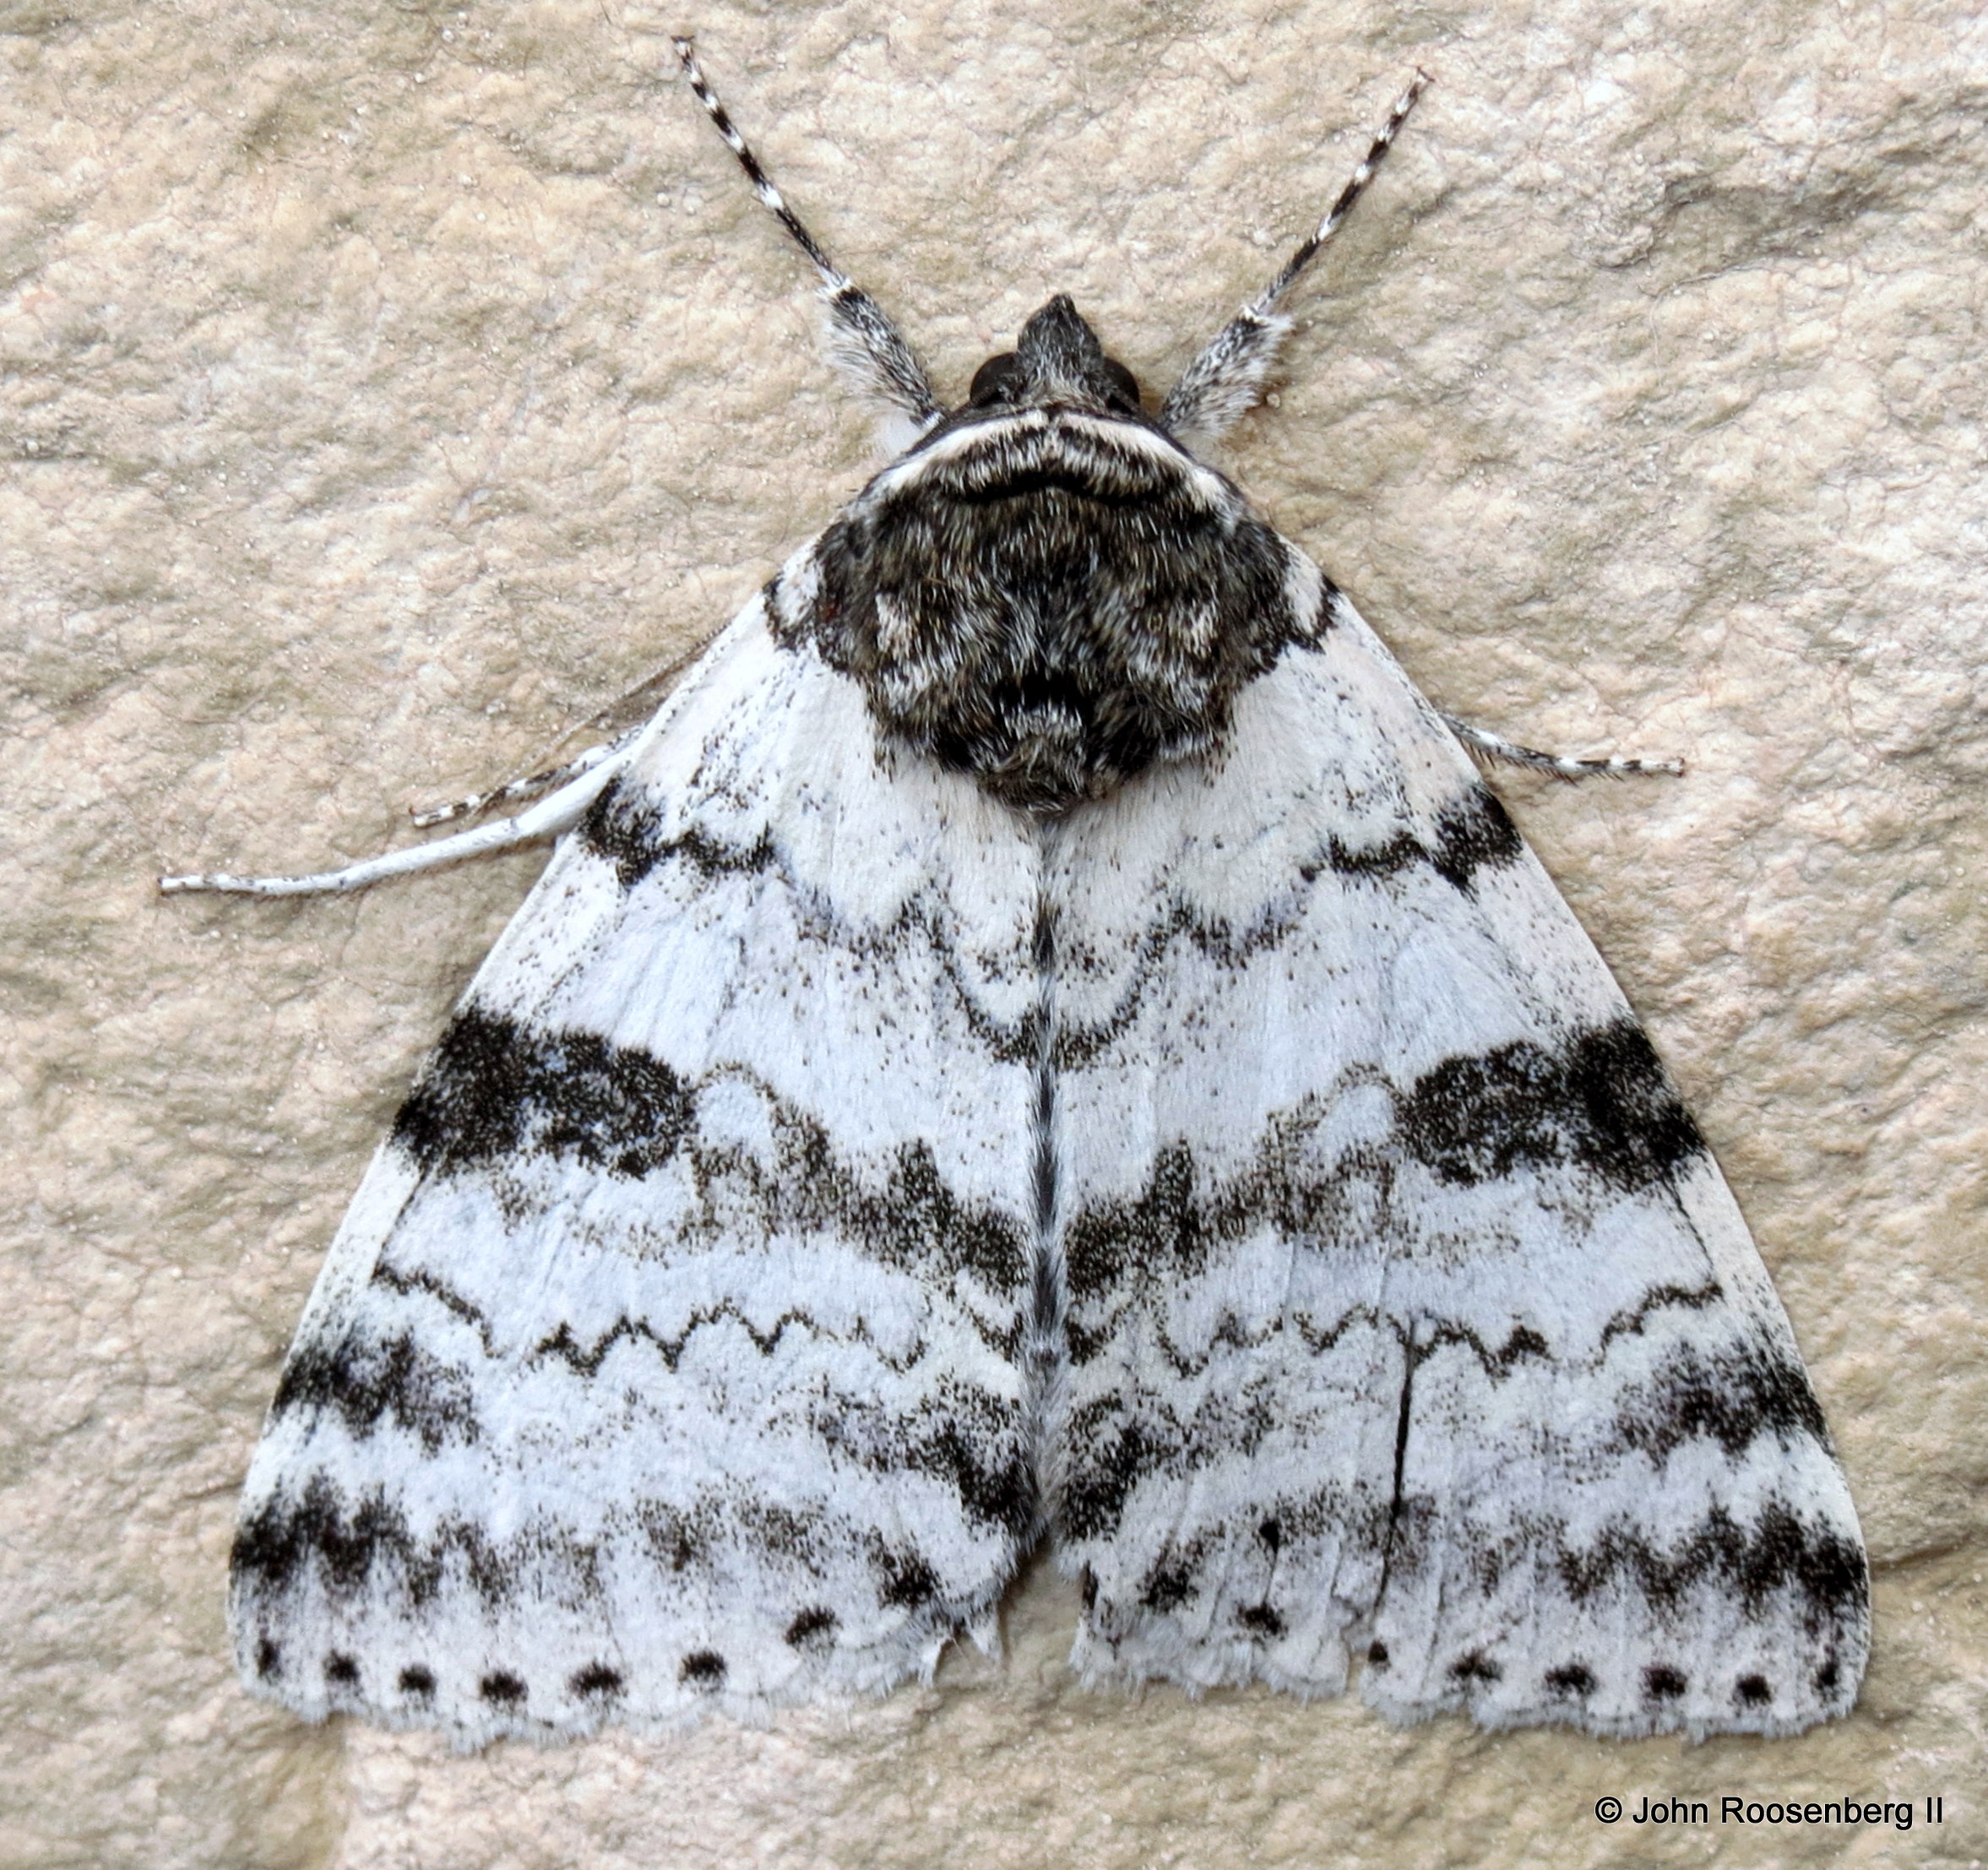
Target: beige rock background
x=386, y=387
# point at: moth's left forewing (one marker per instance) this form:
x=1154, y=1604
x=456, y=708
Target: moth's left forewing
x=670, y=1358
x=1411, y=1322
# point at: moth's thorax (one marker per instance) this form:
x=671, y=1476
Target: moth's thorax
x=1051, y=599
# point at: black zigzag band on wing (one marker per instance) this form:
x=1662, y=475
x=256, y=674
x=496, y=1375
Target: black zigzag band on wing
x=623, y=829
x=347, y=1546
x=1472, y=834
x=368, y=1382
x=345, y=1543
x=1600, y=1103
x=1780, y=1552
x=584, y=1357
x=496, y=1089
x=499, y=1094
x=1732, y=1394
x=1767, y=1394
x=1750, y=1564
x=1229, y=1335
x=346, y=1554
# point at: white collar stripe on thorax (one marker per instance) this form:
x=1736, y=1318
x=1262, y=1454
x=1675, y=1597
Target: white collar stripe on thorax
x=1088, y=435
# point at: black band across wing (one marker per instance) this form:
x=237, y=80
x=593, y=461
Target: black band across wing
x=498, y=1094
x=1601, y=1102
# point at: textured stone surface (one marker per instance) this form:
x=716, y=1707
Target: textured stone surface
x=386, y=387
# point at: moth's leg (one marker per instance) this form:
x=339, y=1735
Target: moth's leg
x=546, y=820
x=1508, y=752
x=1227, y=378
x=863, y=345
x=512, y=792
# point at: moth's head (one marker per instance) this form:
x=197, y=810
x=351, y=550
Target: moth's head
x=1055, y=417
x=1057, y=361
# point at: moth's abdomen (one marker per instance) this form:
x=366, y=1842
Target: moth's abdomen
x=1052, y=602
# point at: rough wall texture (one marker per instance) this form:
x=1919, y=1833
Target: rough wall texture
x=387, y=386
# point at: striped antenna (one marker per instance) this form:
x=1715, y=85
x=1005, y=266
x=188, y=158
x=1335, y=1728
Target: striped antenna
x=863, y=344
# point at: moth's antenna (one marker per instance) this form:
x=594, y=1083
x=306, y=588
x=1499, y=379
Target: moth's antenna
x=862, y=343
x=1227, y=378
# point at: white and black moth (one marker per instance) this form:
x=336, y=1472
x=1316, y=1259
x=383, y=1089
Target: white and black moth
x=1044, y=1036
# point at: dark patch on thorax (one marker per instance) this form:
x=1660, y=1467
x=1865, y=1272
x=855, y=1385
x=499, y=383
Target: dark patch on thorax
x=1053, y=610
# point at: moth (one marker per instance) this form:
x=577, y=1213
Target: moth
x=1044, y=1036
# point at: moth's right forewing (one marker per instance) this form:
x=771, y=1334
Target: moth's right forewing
x=1411, y=1324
